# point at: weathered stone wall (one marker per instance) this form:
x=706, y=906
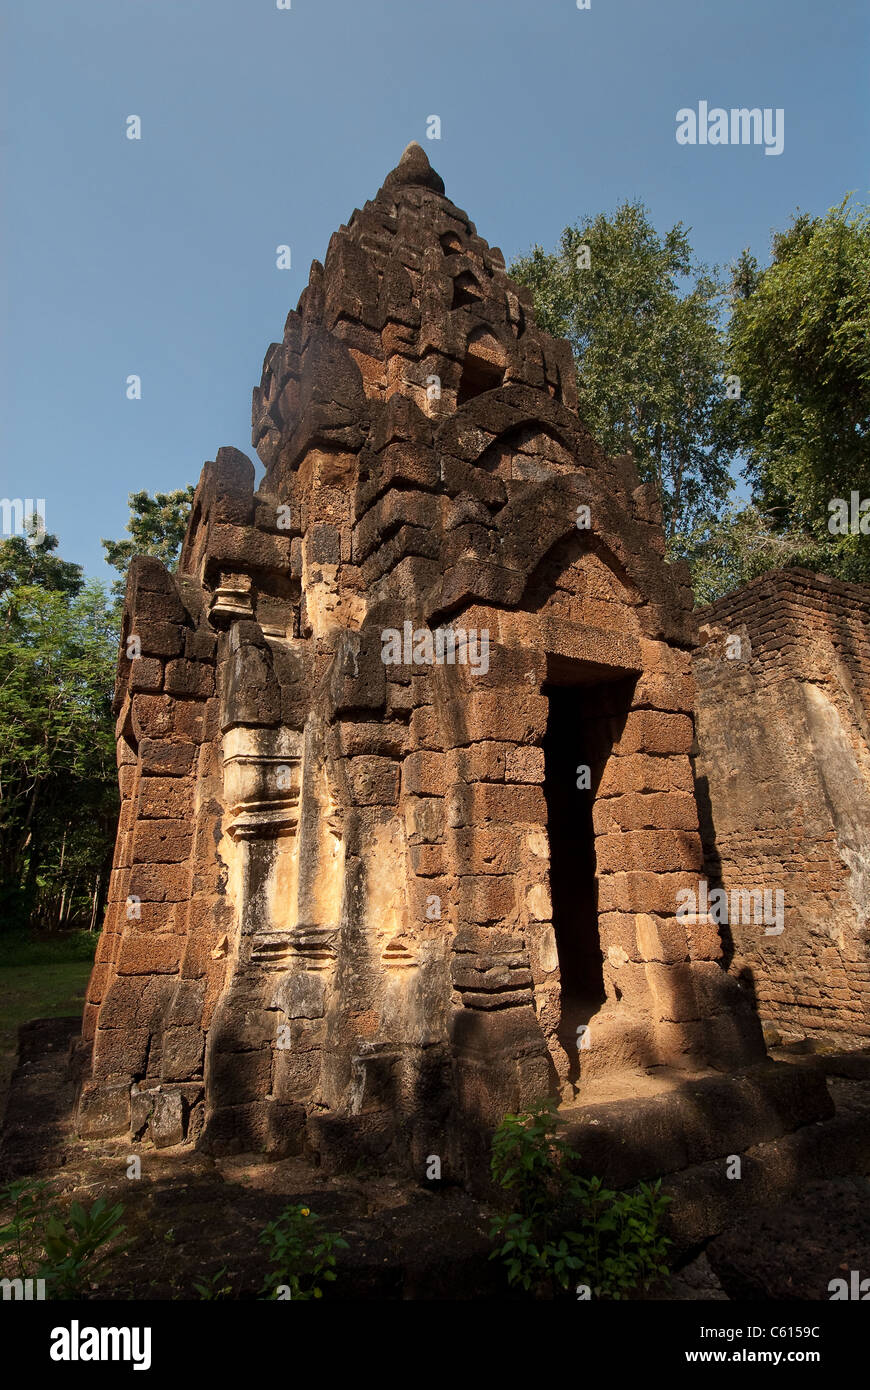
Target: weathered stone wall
x=160, y=965
x=347, y=941
x=784, y=786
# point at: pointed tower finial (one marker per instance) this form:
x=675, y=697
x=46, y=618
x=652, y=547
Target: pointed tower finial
x=414, y=170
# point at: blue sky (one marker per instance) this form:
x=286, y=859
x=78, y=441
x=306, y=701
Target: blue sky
x=263, y=126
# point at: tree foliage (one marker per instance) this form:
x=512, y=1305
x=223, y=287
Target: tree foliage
x=653, y=359
x=157, y=525
x=729, y=550
x=642, y=318
x=58, y=647
x=799, y=340
x=58, y=650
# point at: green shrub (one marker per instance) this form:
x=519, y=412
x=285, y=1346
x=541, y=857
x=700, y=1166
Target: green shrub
x=562, y=1230
x=23, y=1210
x=76, y=1245
x=212, y=1288
x=300, y=1253
x=42, y=1241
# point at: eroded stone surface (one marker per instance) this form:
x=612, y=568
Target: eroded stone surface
x=784, y=790
x=407, y=793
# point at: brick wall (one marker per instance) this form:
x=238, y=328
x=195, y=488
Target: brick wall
x=783, y=779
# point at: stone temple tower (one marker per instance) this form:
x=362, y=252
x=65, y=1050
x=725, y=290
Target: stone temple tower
x=404, y=749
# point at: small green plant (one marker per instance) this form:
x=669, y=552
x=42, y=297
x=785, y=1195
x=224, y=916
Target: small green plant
x=619, y=1235
x=75, y=1246
x=42, y=1241
x=23, y=1205
x=300, y=1253
x=212, y=1288
x=561, y=1229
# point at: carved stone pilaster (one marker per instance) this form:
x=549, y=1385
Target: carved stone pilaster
x=262, y=779
x=231, y=600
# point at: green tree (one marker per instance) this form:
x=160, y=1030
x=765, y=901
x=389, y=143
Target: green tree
x=799, y=341
x=58, y=648
x=728, y=551
x=27, y=562
x=157, y=525
x=643, y=319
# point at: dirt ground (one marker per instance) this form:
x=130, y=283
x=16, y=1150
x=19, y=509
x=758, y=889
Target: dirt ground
x=189, y=1217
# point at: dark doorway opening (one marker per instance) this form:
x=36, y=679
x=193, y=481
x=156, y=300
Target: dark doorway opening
x=483, y=369
x=585, y=717
x=466, y=291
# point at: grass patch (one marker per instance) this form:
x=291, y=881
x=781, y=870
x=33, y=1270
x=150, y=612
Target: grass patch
x=47, y=948
x=50, y=985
